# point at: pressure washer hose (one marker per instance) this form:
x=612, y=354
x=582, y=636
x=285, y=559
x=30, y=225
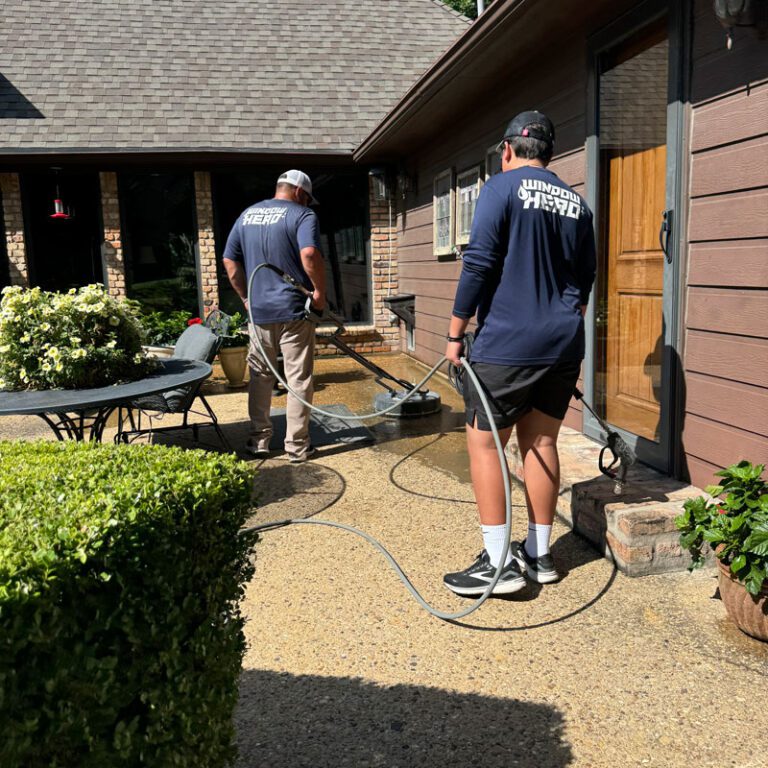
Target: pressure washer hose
x=360, y=417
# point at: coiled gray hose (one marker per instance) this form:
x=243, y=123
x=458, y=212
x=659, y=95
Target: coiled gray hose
x=360, y=417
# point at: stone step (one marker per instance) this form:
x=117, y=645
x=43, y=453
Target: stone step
x=635, y=530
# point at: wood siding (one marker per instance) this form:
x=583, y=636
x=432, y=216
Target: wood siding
x=726, y=347
x=725, y=258
x=558, y=91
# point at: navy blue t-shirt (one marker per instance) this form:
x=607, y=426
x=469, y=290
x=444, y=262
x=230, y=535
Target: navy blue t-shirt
x=274, y=231
x=527, y=270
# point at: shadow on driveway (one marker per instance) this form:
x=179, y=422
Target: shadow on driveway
x=328, y=722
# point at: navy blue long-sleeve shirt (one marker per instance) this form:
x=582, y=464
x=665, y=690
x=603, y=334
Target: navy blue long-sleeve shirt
x=527, y=270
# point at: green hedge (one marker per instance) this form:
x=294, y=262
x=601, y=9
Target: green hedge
x=121, y=570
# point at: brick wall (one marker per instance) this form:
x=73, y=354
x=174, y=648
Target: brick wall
x=112, y=246
x=384, y=280
x=209, y=287
x=14, y=229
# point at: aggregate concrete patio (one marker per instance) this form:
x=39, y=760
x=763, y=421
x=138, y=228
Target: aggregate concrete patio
x=344, y=669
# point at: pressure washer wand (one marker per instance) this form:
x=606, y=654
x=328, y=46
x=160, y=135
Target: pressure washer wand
x=618, y=447
x=312, y=314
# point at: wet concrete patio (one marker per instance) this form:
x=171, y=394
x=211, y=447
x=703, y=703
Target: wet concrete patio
x=344, y=669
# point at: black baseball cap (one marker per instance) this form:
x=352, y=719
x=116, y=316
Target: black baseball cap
x=533, y=124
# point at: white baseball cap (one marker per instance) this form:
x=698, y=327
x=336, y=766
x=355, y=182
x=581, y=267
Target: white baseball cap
x=298, y=179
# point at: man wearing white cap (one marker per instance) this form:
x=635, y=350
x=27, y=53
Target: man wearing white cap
x=284, y=232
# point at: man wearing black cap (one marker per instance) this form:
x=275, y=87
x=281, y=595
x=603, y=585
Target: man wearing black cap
x=527, y=275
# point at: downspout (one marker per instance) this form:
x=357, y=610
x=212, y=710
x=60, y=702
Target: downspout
x=389, y=276
x=480, y=6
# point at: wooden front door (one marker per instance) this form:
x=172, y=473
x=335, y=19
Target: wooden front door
x=634, y=164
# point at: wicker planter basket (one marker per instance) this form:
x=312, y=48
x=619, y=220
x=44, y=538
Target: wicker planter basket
x=750, y=614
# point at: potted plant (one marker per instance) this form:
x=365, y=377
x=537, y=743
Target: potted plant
x=234, y=352
x=162, y=329
x=734, y=523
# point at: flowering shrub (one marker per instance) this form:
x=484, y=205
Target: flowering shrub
x=83, y=338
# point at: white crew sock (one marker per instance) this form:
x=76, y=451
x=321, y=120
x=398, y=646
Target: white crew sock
x=493, y=539
x=537, y=543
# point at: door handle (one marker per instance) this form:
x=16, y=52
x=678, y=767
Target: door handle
x=665, y=232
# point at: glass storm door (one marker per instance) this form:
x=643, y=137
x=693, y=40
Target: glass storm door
x=629, y=386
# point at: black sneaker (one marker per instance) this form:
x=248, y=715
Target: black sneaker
x=538, y=569
x=475, y=579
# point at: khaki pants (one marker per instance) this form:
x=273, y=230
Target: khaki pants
x=296, y=341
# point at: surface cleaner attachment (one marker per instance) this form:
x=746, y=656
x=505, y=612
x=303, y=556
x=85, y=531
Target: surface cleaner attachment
x=424, y=403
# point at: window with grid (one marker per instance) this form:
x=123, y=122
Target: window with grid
x=467, y=192
x=442, y=205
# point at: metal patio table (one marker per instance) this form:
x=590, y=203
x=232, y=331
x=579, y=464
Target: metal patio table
x=74, y=414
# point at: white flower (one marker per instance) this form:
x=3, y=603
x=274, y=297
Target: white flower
x=111, y=344
x=45, y=326
x=114, y=321
x=54, y=353
x=5, y=348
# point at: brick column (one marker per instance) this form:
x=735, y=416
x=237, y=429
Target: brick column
x=383, y=269
x=205, y=241
x=112, y=246
x=14, y=229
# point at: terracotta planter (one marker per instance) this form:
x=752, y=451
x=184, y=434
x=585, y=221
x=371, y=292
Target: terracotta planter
x=749, y=614
x=234, y=365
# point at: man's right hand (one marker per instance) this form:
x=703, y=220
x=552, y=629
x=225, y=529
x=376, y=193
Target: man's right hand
x=453, y=351
x=318, y=300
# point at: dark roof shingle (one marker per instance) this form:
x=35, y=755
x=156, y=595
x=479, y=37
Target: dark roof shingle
x=151, y=75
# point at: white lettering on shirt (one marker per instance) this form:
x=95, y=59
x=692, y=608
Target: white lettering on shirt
x=544, y=196
x=263, y=216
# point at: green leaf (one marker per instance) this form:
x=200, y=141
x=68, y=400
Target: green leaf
x=687, y=540
x=757, y=543
x=738, y=563
x=755, y=580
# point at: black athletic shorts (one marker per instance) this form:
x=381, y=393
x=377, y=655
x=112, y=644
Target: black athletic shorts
x=513, y=391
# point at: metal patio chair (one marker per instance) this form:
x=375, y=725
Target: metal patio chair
x=197, y=342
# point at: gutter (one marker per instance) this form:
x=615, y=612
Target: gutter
x=42, y=152
x=439, y=75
